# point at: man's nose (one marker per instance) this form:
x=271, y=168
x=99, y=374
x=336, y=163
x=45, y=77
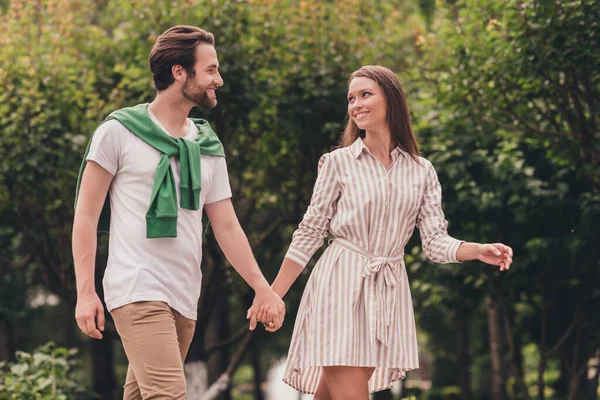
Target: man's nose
x=219, y=80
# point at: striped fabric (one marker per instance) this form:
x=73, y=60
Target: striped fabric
x=356, y=309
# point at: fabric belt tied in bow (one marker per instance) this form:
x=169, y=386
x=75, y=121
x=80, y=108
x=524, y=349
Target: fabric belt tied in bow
x=380, y=279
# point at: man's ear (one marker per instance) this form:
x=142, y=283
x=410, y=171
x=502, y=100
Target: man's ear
x=179, y=73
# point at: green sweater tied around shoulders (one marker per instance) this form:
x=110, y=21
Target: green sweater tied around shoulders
x=161, y=218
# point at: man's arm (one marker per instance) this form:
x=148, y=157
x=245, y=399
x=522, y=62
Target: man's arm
x=89, y=311
x=235, y=246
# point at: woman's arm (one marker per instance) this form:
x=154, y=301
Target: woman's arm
x=288, y=273
x=441, y=247
x=314, y=227
x=490, y=253
x=438, y=246
x=311, y=231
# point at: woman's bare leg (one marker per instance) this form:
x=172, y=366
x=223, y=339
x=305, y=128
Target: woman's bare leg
x=348, y=383
x=322, y=392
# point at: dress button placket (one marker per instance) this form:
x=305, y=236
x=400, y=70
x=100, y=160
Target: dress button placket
x=386, y=193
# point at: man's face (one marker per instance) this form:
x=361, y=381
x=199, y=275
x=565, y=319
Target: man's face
x=200, y=89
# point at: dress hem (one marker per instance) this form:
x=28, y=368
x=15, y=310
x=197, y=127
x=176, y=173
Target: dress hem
x=403, y=370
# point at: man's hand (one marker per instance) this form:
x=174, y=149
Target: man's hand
x=267, y=308
x=89, y=314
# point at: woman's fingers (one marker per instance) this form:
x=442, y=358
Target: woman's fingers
x=260, y=316
x=275, y=322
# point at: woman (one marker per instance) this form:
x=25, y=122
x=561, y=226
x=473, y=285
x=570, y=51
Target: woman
x=355, y=329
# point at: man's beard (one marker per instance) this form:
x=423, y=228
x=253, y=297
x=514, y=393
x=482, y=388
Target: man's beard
x=197, y=96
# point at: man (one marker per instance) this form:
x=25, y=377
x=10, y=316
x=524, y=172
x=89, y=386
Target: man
x=159, y=170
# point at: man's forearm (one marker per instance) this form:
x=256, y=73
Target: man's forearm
x=236, y=248
x=84, y=253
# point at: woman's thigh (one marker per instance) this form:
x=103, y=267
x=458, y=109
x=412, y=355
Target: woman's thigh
x=348, y=383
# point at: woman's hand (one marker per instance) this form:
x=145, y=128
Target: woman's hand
x=496, y=254
x=267, y=315
x=267, y=308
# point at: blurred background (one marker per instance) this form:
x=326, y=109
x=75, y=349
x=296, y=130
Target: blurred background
x=505, y=101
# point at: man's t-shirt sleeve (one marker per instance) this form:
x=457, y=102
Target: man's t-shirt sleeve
x=219, y=188
x=106, y=146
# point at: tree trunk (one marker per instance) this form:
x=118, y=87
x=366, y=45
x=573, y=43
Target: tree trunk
x=196, y=379
x=217, y=330
x=517, y=360
x=462, y=353
x=206, y=305
x=496, y=351
x=540, y=373
x=7, y=346
x=595, y=378
x=512, y=335
x=104, y=380
x=196, y=367
x=258, y=375
x=578, y=366
x=383, y=395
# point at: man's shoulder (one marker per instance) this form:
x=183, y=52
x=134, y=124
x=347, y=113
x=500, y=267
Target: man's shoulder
x=111, y=127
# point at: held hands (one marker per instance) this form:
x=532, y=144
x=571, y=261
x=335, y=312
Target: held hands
x=267, y=308
x=89, y=314
x=496, y=254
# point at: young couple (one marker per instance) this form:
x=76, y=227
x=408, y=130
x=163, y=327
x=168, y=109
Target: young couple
x=148, y=173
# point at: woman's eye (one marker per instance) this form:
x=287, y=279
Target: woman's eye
x=350, y=99
x=366, y=93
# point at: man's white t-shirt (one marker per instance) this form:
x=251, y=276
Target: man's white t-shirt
x=158, y=269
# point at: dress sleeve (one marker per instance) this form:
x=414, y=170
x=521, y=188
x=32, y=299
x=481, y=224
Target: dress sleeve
x=437, y=244
x=315, y=223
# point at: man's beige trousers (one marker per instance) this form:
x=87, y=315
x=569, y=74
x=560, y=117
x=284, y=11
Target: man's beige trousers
x=156, y=339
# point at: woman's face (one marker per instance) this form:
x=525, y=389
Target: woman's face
x=366, y=104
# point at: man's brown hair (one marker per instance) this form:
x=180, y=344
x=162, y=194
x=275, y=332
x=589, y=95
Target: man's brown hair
x=176, y=47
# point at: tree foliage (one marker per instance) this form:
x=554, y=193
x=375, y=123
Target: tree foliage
x=505, y=100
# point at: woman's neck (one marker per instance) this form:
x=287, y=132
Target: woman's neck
x=379, y=142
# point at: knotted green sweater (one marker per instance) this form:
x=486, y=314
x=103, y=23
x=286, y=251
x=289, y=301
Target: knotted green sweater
x=161, y=218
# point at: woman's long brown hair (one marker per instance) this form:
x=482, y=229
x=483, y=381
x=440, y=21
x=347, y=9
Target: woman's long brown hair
x=397, y=115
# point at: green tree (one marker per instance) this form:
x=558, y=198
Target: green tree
x=508, y=114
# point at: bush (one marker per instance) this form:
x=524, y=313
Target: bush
x=50, y=373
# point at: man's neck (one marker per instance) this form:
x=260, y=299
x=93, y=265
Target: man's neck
x=171, y=113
